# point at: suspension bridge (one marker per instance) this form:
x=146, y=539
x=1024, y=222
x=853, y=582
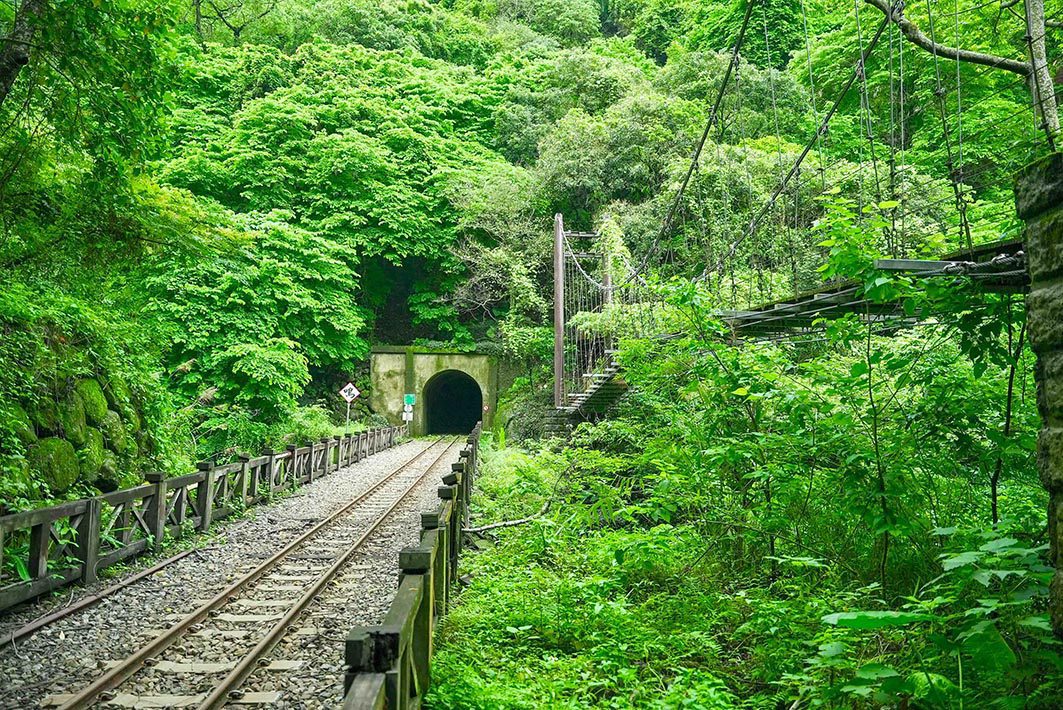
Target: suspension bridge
x=762, y=273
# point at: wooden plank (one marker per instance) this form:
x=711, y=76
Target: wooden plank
x=126, y=495
x=21, y=591
x=257, y=698
x=248, y=618
x=29, y=518
x=366, y=692
x=132, y=549
x=40, y=539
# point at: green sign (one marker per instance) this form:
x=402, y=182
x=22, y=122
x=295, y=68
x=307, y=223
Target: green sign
x=410, y=399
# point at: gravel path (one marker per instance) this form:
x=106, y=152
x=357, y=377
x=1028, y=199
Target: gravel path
x=73, y=651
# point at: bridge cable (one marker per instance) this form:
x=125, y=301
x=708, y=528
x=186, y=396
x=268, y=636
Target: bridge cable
x=808, y=147
x=712, y=122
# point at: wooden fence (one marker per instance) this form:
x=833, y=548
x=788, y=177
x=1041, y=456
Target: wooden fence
x=72, y=541
x=388, y=665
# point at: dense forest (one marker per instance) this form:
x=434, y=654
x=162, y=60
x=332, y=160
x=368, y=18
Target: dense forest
x=211, y=210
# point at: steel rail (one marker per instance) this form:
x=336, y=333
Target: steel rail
x=126, y=668
x=224, y=690
x=51, y=617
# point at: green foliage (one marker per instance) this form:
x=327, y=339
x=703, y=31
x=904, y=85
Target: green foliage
x=54, y=459
x=205, y=226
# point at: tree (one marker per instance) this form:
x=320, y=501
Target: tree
x=1036, y=72
x=15, y=52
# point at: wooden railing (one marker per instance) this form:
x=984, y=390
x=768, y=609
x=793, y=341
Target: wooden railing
x=73, y=541
x=388, y=665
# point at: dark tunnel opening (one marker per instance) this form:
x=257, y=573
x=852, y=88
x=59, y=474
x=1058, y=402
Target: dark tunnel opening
x=453, y=403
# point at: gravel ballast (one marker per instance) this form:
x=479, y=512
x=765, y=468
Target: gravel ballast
x=70, y=653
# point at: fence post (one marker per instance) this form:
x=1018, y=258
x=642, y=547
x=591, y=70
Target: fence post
x=454, y=524
x=245, y=484
x=40, y=540
x=205, y=494
x=88, y=540
x=326, y=458
x=156, y=513
x=358, y=655
x=418, y=561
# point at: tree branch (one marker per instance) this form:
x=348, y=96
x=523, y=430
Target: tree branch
x=511, y=523
x=914, y=35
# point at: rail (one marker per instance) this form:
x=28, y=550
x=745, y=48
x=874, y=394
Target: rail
x=388, y=664
x=71, y=542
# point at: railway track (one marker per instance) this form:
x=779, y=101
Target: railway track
x=205, y=656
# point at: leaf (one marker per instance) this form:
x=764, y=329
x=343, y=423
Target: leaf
x=888, y=204
x=999, y=544
x=960, y=560
x=875, y=619
x=832, y=649
x=1039, y=621
x=876, y=671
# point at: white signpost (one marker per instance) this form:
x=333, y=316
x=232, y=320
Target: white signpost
x=349, y=393
x=407, y=412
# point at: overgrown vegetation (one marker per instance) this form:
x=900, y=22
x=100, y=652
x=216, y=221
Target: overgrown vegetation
x=210, y=211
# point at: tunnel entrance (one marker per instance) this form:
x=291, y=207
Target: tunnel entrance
x=453, y=403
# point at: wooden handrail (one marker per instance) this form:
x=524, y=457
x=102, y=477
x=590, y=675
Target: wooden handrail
x=72, y=541
x=388, y=665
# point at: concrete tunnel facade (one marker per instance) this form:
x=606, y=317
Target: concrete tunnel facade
x=454, y=389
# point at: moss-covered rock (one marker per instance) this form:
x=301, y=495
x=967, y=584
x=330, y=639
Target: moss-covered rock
x=45, y=415
x=114, y=434
x=72, y=419
x=131, y=419
x=117, y=392
x=90, y=455
x=110, y=475
x=20, y=421
x=109, y=465
x=56, y=462
x=93, y=398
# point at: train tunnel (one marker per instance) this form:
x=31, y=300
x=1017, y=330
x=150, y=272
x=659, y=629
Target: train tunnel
x=453, y=403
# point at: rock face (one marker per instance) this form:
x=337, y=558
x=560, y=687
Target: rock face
x=1039, y=197
x=23, y=426
x=114, y=431
x=92, y=397
x=72, y=419
x=90, y=456
x=56, y=462
x=85, y=429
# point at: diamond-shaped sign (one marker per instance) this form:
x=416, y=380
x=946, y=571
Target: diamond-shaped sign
x=349, y=392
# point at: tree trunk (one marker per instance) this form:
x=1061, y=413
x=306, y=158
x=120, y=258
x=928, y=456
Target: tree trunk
x=15, y=48
x=1041, y=84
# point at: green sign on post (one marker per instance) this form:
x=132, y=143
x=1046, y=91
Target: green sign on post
x=410, y=399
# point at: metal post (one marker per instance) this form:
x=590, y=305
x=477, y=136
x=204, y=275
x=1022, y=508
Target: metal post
x=347, y=430
x=607, y=274
x=559, y=310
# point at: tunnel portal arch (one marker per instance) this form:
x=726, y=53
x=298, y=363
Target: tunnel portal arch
x=453, y=403
x=400, y=370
